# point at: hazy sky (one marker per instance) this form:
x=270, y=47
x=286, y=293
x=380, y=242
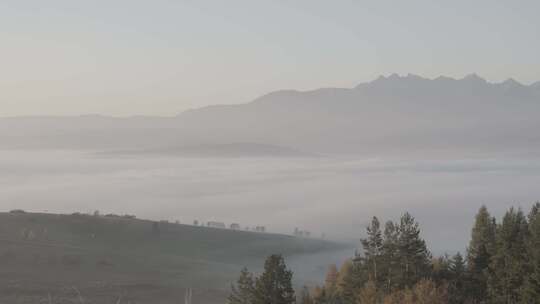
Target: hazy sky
x=162, y=57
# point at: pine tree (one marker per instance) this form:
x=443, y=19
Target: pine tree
x=389, y=272
x=274, y=286
x=458, y=280
x=531, y=290
x=372, y=246
x=457, y=265
x=441, y=269
x=481, y=248
x=243, y=292
x=508, y=266
x=413, y=253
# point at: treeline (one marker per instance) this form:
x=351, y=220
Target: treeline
x=501, y=265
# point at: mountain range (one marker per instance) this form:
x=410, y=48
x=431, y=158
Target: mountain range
x=392, y=115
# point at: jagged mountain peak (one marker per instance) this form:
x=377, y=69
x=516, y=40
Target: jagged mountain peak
x=510, y=84
x=420, y=84
x=474, y=78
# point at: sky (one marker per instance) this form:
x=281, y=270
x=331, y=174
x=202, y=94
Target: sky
x=123, y=58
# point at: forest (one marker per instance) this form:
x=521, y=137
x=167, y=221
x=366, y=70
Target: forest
x=394, y=266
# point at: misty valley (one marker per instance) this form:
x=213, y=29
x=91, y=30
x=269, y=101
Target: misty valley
x=269, y=152
x=268, y=202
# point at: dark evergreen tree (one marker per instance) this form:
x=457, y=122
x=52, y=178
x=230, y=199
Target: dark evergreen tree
x=274, y=286
x=457, y=280
x=457, y=266
x=413, y=253
x=372, y=246
x=390, y=270
x=243, y=292
x=531, y=290
x=509, y=265
x=481, y=248
x=440, y=270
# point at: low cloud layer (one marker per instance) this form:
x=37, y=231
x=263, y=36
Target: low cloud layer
x=335, y=196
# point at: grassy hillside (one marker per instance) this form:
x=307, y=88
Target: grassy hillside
x=104, y=258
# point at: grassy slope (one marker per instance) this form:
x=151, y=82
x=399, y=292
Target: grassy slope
x=106, y=257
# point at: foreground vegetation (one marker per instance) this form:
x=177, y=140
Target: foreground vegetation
x=501, y=265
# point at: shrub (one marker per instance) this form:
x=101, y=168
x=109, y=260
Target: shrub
x=17, y=211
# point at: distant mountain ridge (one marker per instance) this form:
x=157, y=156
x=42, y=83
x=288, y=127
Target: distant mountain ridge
x=390, y=115
x=471, y=82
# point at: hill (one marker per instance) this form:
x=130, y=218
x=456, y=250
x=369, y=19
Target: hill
x=108, y=256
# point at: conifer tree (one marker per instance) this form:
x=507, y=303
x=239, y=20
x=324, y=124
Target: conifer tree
x=440, y=271
x=508, y=266
x=243, y=292
x=372, y=246
x=481, y=248
x=458, y=281
x=413, y=253
x=390, y=257
x=274, y=286
x=531, y=290
x=457, y=265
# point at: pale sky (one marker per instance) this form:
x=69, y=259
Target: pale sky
x=162, y=57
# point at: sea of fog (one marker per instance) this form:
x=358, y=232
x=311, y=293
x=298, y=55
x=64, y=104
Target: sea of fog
x=334, y=196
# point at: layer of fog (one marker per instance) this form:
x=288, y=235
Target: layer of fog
x=334, y=196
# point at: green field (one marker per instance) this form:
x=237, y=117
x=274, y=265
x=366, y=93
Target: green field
x=105, y=258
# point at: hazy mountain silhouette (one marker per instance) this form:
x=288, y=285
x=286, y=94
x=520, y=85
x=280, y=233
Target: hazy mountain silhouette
x=390, y=115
